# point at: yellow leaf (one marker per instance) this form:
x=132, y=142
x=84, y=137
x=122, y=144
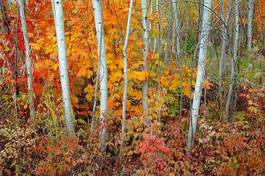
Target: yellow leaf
x=138, y=75
x=55, y=66
x=89, y=90
x=36, y=46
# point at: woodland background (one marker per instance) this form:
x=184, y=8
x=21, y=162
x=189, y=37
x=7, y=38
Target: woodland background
x=230, y=139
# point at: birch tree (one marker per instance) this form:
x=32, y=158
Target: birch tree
x=206, y=22
x=201, y=8
x=224, y=38
x=250, y=19
x=176, y=28
x=27, y=57
x=125, y=71
x=168, y=36
x=103, y=72
x=63, y=67
x=146, y=48
x=234, y=62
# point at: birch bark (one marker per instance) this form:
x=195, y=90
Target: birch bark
x=103, y=71
x=125, y=71
x=144, y=7
x=206, y=22
x=250, y=19
x=176, y=28
x=28, y=57
x=224, y=39
x=234, y=63
x=63, y=67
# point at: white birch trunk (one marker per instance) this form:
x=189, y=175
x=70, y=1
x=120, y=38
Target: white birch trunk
x=103, y=71
x=125, y=72
x=234, y=62
x=176, y=28
x=146, y=48
x=206, y=22
x=93, y=121
x=63, y=67
x=201, y=8
x=250, y=19
x=224, y=38
x=28, y=57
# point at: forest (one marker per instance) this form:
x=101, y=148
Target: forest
x=132, y=87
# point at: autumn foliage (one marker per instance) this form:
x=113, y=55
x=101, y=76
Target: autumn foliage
x=40, y=146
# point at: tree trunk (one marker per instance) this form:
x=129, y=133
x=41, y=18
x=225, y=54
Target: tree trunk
x=201, y=8
x=63, y=67
x=93, y=120
x=234, y=63
x=28, y=57
x=145, y=67
x=224, y=38
x=250, y=19
x=176, y=29
x=168, y=40
x=206, y=22
x=155, y=38
x=125, y=72
x=103, y=73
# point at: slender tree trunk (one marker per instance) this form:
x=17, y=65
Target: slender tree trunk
x=185, y=42
x=176, y=29
x=16, y=65
x=214, y=53
x=103, y=73
x=160, y=9
x=146, y=48
x=151, y=7
x=224, y=38
x=223, y=49
x=206, y=22
x=201, y=8
x=176, y=47
x=243, y=38
x=168, y=36
x=63, y=67
x=159, y=5
x=28, y=57
x=96, y=89
x=155, y=38
x=234, y=63
x=93, y=121
x=125, y=72
x=250, y=19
